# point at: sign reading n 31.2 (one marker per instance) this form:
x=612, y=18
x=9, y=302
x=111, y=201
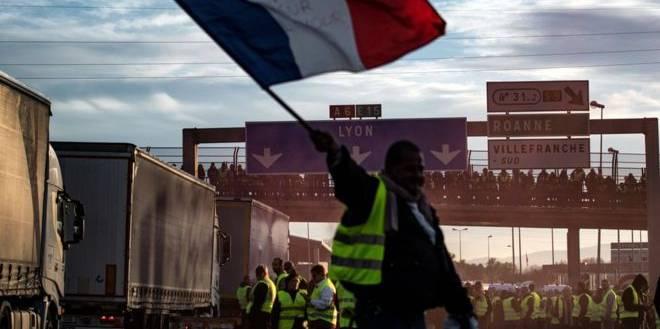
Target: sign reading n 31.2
x=538, y=96
x=538, y=153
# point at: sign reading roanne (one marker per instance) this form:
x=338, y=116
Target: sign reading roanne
x=285, y=148
x=342, y=111
x=537, y=125
x=538, y=153
x=538, y=96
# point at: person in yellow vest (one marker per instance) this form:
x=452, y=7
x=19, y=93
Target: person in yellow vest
x=575, y=310
x=596, y=310
x=608, y=305
x=530, y=306
x=280, y=274
x=262, y=298
x=321, y=310
x=481, y=305
x=632, y=305
x=389, y=249
x=289, y=309
x=557, y=309
x=346, y=301
x=511, y=310
x=497, y=313
x=243, y=297
x=583, y=301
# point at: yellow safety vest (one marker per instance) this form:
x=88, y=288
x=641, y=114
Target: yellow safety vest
x=494, y=302
x=290, y=309
x=596, y=310
x=537, y=313
x=480, y=305
x=558, y=307
x=590, y=310
x=242, y=296
x=613, y=307
x=619, y=306
x=358, y=251
x=543, y=309
x=329, y=314
x=279, y=280
x=575, y=311
x=625, y=314
x=346, y=307
x=270, y=296
x=510, y=314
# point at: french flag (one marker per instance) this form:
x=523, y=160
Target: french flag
x=277, y=41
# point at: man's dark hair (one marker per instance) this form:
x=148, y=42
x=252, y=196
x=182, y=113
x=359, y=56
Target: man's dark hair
x=277, y=260
x=397, y=150
x=261, y=270
x=318, y=269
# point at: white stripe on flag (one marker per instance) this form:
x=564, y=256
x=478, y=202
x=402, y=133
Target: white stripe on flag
x=320, y=34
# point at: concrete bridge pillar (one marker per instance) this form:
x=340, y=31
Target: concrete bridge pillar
x=573, y=248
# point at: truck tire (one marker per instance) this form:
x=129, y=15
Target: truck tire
x=5, y=316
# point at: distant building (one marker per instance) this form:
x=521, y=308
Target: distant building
x=305, y=253
x=629, y=252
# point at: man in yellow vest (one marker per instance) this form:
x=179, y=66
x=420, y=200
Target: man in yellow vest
x=596, y=309
x=289, y=308
x=481, y=305
x=346, y=301
x=262, y=298
x=321, y=310
x=530, y=306
x=632, y=304
x=280, y=274
x=583, y=302
x=557, y=309
x=243, y=297
x=389, y=249
x=609, y=305
x=511, y=310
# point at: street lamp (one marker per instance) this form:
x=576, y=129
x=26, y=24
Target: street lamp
x=488, y=261
x=596, y=105
x=513, y=258
x=460, y=242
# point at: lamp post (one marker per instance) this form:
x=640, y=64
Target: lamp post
x=596, y=105
x=489, y=237
x=460, y=242
x=513, y=258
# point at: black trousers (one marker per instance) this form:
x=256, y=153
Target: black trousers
x=259, y=320
x=630, y=323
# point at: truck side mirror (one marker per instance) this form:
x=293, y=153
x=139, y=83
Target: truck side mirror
x=225, y=254
x=78, y=222
x=74, y=222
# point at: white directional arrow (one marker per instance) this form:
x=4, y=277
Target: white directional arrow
x=357, y=156
x=267, y=159
x=445, y=156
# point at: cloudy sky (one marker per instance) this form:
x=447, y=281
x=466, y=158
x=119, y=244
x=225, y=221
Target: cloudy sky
x=139, y=71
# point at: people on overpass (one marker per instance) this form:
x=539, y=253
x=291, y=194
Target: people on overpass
x=388, y=249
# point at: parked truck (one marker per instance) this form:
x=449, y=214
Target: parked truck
x=152, y=250
x=258, y=234
x=38, y=219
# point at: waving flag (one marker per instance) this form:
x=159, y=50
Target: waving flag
x=277, y=41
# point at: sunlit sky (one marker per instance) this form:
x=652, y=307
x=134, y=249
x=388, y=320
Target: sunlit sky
x=138, y=53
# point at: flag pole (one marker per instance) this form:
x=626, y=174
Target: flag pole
x=288, y=108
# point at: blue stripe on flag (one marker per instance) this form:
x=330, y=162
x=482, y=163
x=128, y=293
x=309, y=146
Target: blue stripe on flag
x=250, y=35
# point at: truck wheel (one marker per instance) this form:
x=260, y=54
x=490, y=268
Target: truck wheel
x=5, y=316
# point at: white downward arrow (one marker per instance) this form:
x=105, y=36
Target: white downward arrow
x=445, y=156
x=357, y=156
x=267, y=159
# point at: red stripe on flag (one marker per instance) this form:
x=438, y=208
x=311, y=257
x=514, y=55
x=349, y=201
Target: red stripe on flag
x=388, y=29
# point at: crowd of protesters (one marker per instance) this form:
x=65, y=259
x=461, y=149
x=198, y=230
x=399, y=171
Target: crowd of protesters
x=561, y=188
